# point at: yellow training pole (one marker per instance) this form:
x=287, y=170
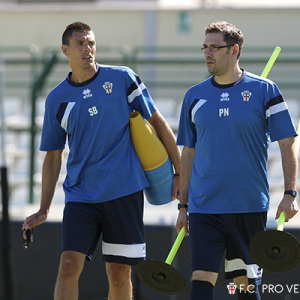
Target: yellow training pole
x=271, y=62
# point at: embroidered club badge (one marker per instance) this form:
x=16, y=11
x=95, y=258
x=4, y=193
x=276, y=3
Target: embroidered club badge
x=108, y=87
x=246, y=95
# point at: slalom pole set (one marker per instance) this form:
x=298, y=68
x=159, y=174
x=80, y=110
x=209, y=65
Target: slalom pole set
x=273, y=250
x=160, y=276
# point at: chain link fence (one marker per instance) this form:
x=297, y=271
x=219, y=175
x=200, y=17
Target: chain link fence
x=30, y=74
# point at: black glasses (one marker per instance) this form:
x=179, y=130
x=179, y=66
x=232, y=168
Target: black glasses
x=214, y=48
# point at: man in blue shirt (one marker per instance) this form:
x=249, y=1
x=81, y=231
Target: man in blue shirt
x=225, y=126
x=105, y=180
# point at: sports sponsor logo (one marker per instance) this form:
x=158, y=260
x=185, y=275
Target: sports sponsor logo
x=224, y=97
x=87, y=93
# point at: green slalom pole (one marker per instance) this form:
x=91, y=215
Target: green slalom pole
x=271, y=62
x=281, y=221
x=264, y=74
x=160, y=276
x=175, y=247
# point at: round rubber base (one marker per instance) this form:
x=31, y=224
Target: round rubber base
x=275, y=251
x=161, y=277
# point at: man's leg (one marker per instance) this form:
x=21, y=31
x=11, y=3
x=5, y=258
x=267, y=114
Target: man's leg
x=241, y=228
x=70, y=268
x=203, y=283
x=207, y=245
x=246, y=291
x=119, y=278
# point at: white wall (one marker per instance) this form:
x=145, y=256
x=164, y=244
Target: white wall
x=43, y=25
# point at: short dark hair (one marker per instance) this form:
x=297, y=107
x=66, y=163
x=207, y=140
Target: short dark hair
x=74, y=27
x=231, y=34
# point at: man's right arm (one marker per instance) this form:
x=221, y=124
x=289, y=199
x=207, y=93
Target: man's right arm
x=186, y=165
x=50, y=173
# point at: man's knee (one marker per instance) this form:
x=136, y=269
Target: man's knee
x=118, y=273
x=242, y=284
x=205, y=276
x=71, y=263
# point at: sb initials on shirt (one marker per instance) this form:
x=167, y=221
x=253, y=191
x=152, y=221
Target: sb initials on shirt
x=223, y=112
x=93, y=111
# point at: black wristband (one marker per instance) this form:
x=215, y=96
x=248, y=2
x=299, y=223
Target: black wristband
x=182, y=205
x=176, y=174
x=293, y=193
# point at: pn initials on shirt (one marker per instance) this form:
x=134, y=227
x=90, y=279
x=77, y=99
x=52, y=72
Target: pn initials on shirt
x=223, y=112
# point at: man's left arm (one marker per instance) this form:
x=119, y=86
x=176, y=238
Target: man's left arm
x=166, y=135
x=289, y=157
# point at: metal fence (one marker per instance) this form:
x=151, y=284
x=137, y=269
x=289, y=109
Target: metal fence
x=30, y=74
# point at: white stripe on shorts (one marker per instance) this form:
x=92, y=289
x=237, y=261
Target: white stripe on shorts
x=253, y=271
x=130, y=251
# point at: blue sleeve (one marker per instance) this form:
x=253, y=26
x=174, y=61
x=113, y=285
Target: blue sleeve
x=187, y=135
x=279, y=119
x=138, y=96
x=53, y=135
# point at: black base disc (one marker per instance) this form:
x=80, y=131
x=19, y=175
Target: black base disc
x=161, y=277
x=275, y=251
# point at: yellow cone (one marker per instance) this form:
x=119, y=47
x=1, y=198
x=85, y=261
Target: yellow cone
x=148, y=146
x=154, y=159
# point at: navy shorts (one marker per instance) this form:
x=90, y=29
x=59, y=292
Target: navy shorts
x=120, y=222
x=213, y=235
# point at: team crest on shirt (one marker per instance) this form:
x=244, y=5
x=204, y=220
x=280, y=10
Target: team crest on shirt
x=108, y=87
x=246, y=95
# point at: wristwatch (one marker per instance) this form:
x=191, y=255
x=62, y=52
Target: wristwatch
x=293, y=193
x=182, y=205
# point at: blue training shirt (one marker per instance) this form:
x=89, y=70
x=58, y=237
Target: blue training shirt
x=93, y=117
x=230, y=127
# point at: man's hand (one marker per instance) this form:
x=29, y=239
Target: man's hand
x=290, y=207
x=33, y=221
x=183, y=221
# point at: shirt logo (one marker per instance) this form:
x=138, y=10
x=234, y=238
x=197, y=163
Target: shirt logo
x=246, y=95
x=87, y=94
x=224, y=97
x=108, y=87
